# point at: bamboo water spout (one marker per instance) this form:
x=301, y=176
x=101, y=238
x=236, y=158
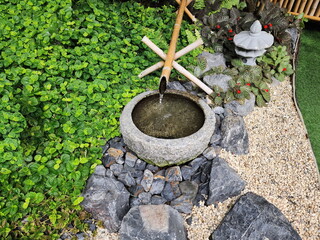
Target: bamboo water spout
x=172, y=48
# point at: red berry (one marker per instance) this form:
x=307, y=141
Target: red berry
x=265, y=26
x=270, y=25
x=248, y=84
x=230, y=31
x=238, y=91
x=284, y=69
x=230, y=38
x=267, y=90
x=218, y=26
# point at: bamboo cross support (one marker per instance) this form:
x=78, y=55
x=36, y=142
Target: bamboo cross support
x=175, y=65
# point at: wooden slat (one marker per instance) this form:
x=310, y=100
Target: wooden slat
x=296, y=7
x=289, y=8
x=303, y=4
x=314, y=7
x=308, y=6
x=285, y=3
x=318, y=12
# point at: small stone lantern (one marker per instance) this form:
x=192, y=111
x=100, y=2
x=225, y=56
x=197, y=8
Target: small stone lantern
x=252, y=44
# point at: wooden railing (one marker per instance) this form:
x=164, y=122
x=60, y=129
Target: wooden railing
x=310, y=8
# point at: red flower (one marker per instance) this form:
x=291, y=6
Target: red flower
x=248, y=84
x=267, y=90
x=265, y=26
x=230, y=31
x=238, y=91
x=284, y=69
x=218, y=26
x=270, y=25
x=230, y=38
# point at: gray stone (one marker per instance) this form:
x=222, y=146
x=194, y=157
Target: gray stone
x=210, y=153
x=140, y=165
x=157, y=200
x=211, y=60
x=224, y=182
x=134, y=201
x=118, y=143
x=173, y=174
x=171, y=191
x=189, y=85
x=130, y=159
x=147, y=180
x=219, y=80
x=135, y=173
x=234, y=135
x=253, y=217
x=152, y=168
x=184, y=203
x=152, y=222
x=116, y=169
x=242, y=109
x=126, y=179
x=164, y=152
x=205, y=171
x=100, y=170
x=218, y=110
x=145, y=197
x=135, y=190
x=157, y=184
x=109, y=173
x=294, y=33
x=107, y=200
x=186, y=172
x=176, y=85
x=215, y=139
x=197, y=162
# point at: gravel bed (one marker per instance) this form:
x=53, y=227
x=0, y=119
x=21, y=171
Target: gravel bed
x=280, y=167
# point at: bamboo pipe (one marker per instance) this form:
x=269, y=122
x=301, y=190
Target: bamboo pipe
x=177, y=66
x=176, y=56
x=190, y=15
x=172, y=48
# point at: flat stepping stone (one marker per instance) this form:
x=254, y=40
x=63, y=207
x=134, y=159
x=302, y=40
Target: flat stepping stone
x=152, y=222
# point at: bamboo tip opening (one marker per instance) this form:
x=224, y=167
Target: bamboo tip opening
x=163, y=84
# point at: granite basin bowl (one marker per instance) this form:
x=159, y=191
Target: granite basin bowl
x=159, y=147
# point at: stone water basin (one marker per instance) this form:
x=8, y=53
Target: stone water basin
x=168, y=133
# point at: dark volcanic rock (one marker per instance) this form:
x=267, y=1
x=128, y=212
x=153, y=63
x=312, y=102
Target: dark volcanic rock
x=184, y=203
x=173, y=174
x=126, y=179
x=152, y=222
x=100, y=170
x=130, y=159
x=157, y=184
x=234, y=135
x=224, y=182
x=171, y=191
x=176, y=85
x=107, y=200
x=254, y=218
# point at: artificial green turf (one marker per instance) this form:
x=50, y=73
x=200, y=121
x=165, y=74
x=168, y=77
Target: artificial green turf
x=308, y=84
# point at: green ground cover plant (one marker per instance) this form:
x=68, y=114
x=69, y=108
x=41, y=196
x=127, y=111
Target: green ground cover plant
x=308, y=84
x=67, y=68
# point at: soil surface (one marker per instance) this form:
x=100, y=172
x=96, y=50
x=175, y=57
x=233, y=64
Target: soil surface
x=280, y=167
